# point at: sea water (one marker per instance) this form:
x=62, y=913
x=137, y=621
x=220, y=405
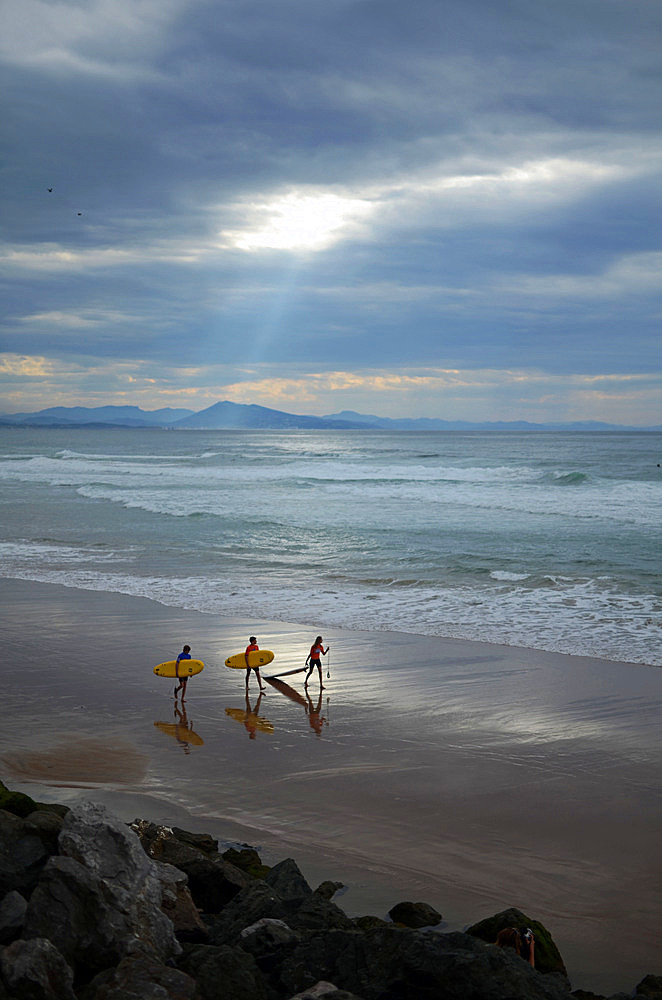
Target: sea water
x=544, y=540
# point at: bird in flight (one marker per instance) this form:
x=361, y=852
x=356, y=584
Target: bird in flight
x=50, y=189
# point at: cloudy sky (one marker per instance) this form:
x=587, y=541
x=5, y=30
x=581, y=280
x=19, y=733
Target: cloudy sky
x=441, y=208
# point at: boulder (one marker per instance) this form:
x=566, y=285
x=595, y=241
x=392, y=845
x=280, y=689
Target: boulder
x=414, y=915
x=35, y=970
x=224, y=973
x=23, y=854
x=268, y=941
x=404, y=964
x=287, y=880
x=547, y=956
x=328, y=889
x=101, y=899
x=256, y=902
x=316, y=914
x=140, y=978
x=325, y=991
x=12, y=915
x=16, y=802
x=650, y=987
x=247, y=860
x=202, y=841
x=178, y=905
x=212, y=881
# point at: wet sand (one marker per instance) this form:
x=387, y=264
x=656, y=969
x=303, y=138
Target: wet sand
x=471, y=776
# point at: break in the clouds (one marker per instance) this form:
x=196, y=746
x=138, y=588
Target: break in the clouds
x=441, y=208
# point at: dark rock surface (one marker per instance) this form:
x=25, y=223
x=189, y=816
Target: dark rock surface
x=91, y=909
x=414, y=915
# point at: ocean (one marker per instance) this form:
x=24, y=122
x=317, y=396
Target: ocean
x=543, y=540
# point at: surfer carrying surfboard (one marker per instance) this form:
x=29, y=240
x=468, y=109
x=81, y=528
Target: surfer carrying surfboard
x=184, y=655
x=252, y=644
x=317, y=650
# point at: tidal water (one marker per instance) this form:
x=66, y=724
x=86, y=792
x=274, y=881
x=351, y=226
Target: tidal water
x=544, y=540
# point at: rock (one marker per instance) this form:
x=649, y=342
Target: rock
x=100, y=900
x=35, y=970
x=547, y=956
x=651, y=987
x=367, y=922
x=23, y=854
x=178, y=905
x=287, y=880
x=231, y=969
x=212, y=881
x=414, y=915
x=140, y=978
x=403, y=964
x=47, y=825
x=12, y=915
x=325, y=991
x=247, y=860
x=268, y=941
x=202, y=841
x=317, y=914
x=16, y=802
x=326, y=890
x=256, y=902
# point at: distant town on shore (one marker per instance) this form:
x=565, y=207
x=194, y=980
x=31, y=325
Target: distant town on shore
x=239, y=416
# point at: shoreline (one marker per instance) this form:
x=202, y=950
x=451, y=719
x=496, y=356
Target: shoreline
x=494, y=776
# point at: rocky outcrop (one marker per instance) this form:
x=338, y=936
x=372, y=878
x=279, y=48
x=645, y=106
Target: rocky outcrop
x=95, y=910
x=414, y=915
x=547, y=956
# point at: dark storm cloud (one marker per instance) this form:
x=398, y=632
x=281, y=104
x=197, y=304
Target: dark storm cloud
x=348, y=184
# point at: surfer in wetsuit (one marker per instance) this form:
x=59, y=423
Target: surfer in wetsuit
x=317, y=650
x=184, y=655
x=252, y=644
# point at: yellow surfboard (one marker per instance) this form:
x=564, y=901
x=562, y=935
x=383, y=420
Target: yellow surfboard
x=187, y=668
x=256, y=658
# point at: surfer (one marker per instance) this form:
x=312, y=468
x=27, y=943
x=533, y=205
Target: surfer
x=184, y=655
x=316, y=651
x=252, y=644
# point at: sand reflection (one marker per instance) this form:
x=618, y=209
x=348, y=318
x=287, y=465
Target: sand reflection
x=181, y=730
x=80, y=762
x=250, y=719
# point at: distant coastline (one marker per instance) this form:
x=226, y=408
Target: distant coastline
x=226, y=415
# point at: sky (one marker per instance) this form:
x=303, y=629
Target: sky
x=441, y=208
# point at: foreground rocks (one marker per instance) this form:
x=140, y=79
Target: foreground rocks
x=91, y=909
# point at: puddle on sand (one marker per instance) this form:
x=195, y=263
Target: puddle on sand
x=80, y=763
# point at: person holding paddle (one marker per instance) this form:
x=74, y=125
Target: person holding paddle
x=317, y=650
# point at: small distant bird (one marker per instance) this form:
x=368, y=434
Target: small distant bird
x=80, y=213
x=49, y=189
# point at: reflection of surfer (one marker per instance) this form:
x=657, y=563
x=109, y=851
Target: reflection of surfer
x=252, y=645
x=249, y=718
x=317, y=650
x=316, y=720
x=182, y=728
x=184, y=655
x=252, y=720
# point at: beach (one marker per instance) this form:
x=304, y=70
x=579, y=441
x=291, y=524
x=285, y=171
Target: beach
x=468, y=775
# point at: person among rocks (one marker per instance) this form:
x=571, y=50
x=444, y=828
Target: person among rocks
x=317, y=650
x=252, y=645
x=522, y=941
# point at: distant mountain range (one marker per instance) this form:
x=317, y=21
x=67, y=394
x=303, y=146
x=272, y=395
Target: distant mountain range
x=231, y=416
